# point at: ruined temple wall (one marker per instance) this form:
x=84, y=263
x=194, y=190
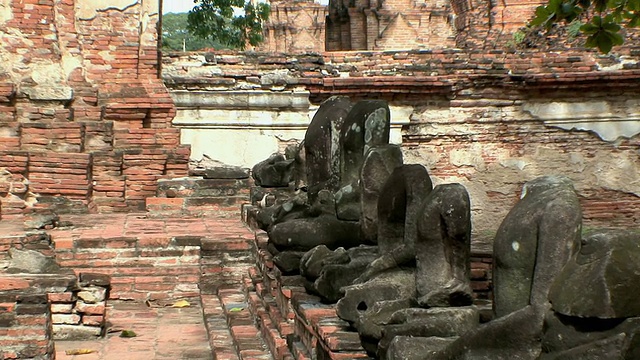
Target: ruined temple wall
x=494, y=149
x=409, y=24
x=295, y=27
x=490, y=120
x=84, y=119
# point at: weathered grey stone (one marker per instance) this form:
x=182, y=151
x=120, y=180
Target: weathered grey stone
x=379, y=162
x=391, y=285
x=603, y=279
x=398, y=205
x=366, y=125
x=93, y=294
x=338, y=270
x=415, y=348
x=278, y=77
x=534, y=242
x=88, y=279
x=210, y=168
x=313, y=260
x=443, y=248
x=294, y=207
x=372, y=321
x=570, y=335
x=288, y=261
x=299, y=167
x=275, y=171
x=513, y=336
x=306, y=233
x=444, y=322
x=226, y=172
x=30, y=261
x=49, y=93
x=322, y=153
x=614, y=347
x=74, y=332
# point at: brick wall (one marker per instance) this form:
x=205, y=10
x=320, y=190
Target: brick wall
x=409, y=24
x=295, y=27
x=85, y=123
x=490, y=120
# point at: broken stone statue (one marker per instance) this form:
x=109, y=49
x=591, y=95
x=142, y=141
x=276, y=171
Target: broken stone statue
x=341, y=268
x=307, y=219
x=366, y=125
x=439, y=303
x=397, y=207
x=594, y=299
x=533, y=243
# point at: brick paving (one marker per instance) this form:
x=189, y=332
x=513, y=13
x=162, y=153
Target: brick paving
x=216, y=325
x=163, y=333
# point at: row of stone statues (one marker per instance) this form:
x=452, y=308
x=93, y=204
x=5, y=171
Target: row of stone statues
x=375, y=236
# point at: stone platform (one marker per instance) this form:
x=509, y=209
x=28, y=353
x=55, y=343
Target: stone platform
x=239, y=304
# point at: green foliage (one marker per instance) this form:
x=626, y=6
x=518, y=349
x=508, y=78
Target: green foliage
x=605, y=19
x=176, y=37
x=234, y=23
x=573, y=29
x=519, y=36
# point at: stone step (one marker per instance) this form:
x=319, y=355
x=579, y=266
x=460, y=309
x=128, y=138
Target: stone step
x=298, y=350
x=220, y=338
x=195, y=206
x=189, y=187
x=269, y=328
x=245, y=328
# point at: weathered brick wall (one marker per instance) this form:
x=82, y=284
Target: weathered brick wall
x=25, y=322
x=295, y=27
x=84, y=119
x=390, y=24
x=488, y=119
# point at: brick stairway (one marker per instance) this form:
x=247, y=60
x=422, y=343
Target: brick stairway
x=227, y=256
x=247, y=308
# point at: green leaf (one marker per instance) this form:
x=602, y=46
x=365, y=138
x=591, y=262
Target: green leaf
x=589, y=28
x=600, y=5
x=128, y=334
x=231, y=22
x=543, y=14
x=585, y=4
x=236, y=309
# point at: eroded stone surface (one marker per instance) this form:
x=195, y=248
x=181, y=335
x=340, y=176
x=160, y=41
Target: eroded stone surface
x=534, y=242
x=601, y=279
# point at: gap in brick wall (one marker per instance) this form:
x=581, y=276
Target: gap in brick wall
x=146, y=122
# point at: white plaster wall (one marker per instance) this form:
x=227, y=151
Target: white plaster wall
x=244, y=128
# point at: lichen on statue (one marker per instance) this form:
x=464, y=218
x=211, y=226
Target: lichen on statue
x=533, y=243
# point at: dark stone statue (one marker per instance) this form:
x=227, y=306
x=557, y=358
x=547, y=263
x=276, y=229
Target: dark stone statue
x=595, y=308
x=367, y=125
x=533, y=243
x=443, y=248
x=443, y=290
x=275, y=171
x=438, y=243
x=397, y=205
x=321, y=146
x=364, y=132
x=378, y=164
x=398, y=210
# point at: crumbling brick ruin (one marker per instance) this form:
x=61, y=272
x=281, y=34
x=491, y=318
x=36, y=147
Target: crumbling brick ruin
x=85, y=123
x=93, y=119
x=392, y=24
